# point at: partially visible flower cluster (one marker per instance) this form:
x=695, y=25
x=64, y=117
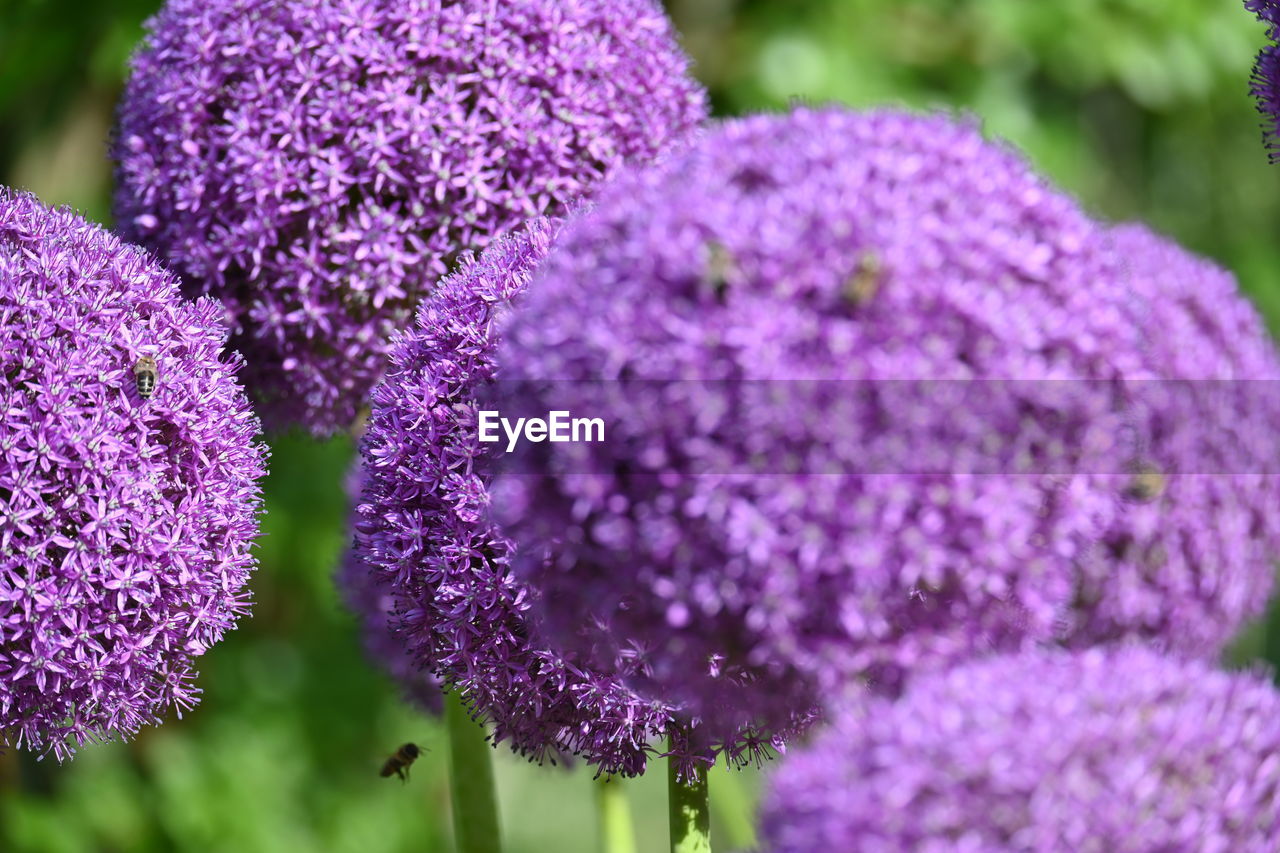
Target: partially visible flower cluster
x=1186, y=565
x=1266, y=73
x=372, y=601
x=674, y=584
x=1117, y=750
x=317, y=166
x=828, y=290
x=423, y=527
x=125, y=518
x=1268, y=11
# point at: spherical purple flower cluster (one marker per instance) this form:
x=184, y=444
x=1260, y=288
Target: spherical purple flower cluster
x=422, y=526
x=1266, y=73
x=865, y=378
x=125, y=518
x=1104, y=750
x=1189, y=565
x=316, y=165
x=372, y=601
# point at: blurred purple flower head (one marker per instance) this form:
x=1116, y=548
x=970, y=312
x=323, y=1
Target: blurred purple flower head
x=1266, y=73
x=422, y=527
x=125, y=521
x=317, y=166
x=1108, y=749
x=908, y=260
x=371, y=599
x=1189, y=566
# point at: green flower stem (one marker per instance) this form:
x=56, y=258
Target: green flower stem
x=617, y=835
x=690, y=821
x=475, y=806
x=733, y=805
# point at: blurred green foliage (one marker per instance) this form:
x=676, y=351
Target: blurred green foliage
x=1139, y=108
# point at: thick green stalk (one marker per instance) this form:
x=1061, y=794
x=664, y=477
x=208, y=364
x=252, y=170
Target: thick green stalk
x=475, y=806
x=617, y=835
x=690, y=820
x=733, y=806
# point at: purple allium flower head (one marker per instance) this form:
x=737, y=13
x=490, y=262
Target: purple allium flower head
x=125, y=520
x=766, y=319
x=371, y=599
x=317, y=165
x=1115, y=749
x=423, y=528
x=1189, y=566
x=1266, y=72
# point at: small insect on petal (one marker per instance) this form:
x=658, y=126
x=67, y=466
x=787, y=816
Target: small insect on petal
x=720, y=268
x=860, y=287
x=1147, y=484
x=146, y=374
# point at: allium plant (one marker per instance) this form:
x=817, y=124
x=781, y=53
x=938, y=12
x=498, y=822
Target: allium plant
x=317, y=165
x=125, y=520
x=866, y=379
x=1266, y=72
x=1115, y=749
x=422, y=527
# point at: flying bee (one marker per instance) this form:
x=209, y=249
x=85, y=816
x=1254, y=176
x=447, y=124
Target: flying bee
x=865, y=281
x=400, y=760
x=146, y=374
x=1146, y=485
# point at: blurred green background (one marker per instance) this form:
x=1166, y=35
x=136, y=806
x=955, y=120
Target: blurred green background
x=1140, y=108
